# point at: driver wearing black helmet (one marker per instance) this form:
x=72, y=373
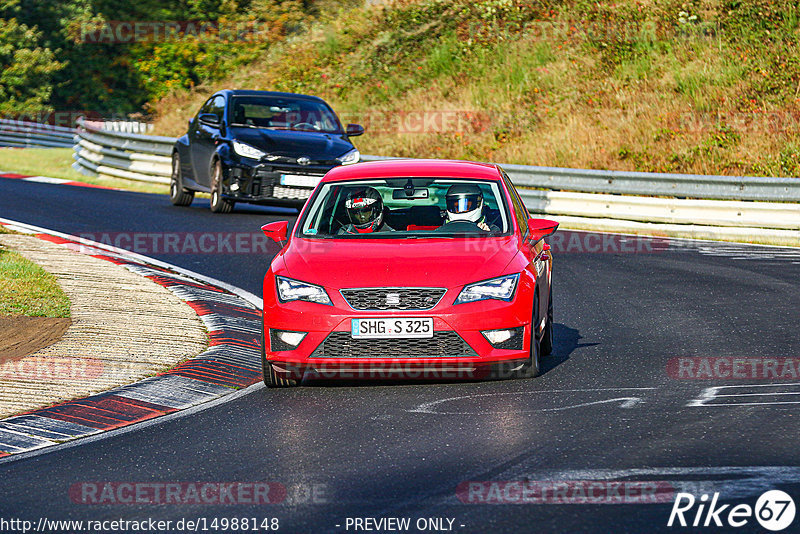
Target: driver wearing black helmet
x=365, y=210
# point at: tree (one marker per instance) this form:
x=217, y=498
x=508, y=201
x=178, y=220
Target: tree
x=26, y=81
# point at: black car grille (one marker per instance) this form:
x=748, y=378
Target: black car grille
x=291, y=161
x=267, y=183
x=441, y=345
x=393, y=298
x=266, y=188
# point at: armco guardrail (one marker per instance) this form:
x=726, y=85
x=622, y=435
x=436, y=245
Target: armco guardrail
x=102, y=152
x=652, y=184
x=716, y=201
x=586, y=193
x=23, y=134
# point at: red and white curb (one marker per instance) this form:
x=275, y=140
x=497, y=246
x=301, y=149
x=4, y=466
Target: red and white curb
x=49, y=180
x=232, y=361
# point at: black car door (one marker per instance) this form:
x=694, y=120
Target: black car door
x=203, y=139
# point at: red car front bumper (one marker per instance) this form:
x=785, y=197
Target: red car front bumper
x=467, y=321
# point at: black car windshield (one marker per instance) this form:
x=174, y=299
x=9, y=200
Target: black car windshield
x=406, y=208
x=283, y=113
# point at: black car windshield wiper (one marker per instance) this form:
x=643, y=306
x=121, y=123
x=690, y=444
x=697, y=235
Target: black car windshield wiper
x=253, y=126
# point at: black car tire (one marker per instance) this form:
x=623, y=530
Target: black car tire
x=532, y=367
x=546, y=346
x=177, y=194
x=218, y=204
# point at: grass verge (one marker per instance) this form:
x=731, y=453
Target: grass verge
x=28, y=290
x=56, y=163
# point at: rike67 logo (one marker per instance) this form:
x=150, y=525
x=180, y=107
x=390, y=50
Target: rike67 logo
x=774, y=510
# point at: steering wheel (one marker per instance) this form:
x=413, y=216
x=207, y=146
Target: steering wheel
x=459, y=227
x=303, y=126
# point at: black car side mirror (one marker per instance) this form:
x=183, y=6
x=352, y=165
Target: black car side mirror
x=209, y=119
x=354, y=130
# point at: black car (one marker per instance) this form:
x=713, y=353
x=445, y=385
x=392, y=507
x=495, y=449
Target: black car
x=259, y=146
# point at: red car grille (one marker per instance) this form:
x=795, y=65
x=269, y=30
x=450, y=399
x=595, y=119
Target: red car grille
x=441, y=345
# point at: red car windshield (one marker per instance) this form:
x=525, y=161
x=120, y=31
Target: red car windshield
x=406, y=207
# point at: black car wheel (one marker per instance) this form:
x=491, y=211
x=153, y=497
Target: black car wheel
x=218, y=204
x=177, y=194
x=547, y=339
x=532, y=367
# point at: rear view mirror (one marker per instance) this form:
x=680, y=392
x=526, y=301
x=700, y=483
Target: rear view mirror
x=276, y=231
x=354, y=130
x=538, y=229
x=409, y=194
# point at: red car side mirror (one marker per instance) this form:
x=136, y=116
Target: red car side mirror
x=538, y=229
x=276, y=231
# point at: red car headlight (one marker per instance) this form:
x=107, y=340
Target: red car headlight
x=501, y=288
x=289, y=290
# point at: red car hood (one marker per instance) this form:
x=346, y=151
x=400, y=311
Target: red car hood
x=342, y=263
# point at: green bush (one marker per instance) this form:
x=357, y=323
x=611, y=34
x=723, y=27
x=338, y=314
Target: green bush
x=26, y=81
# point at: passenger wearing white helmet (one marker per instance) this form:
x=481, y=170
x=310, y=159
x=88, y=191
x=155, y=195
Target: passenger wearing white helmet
x=465, y=203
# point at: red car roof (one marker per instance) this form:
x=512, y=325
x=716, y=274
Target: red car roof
x=402, y=168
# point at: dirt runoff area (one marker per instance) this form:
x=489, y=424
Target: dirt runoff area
x=22, y=336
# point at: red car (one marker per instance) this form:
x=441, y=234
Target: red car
x=409, y=269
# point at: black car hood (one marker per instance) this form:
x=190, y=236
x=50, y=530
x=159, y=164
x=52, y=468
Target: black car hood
x=317, y=146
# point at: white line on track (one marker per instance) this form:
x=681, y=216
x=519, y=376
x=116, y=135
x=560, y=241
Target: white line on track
x=626, y=402
x=708, y=396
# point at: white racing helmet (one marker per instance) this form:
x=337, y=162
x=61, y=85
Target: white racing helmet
x=464, y=203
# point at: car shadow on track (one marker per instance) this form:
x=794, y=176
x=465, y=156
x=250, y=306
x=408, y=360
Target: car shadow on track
x=565, y=341
x=251, y=209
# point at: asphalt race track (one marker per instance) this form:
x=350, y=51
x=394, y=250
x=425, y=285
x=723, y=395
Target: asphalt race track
x=611, y=405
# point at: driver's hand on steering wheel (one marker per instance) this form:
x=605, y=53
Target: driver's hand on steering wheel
x=483, y=226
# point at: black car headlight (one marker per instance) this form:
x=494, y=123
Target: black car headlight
x=289, y=290
x=354, y=156
x=247, y=151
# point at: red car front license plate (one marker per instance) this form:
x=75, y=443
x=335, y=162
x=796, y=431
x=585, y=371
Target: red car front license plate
x=394, y=327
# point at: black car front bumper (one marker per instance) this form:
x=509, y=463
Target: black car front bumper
x=266, y=183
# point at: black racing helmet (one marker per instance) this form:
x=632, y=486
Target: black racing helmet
x=364, y=208
x=464, y=202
